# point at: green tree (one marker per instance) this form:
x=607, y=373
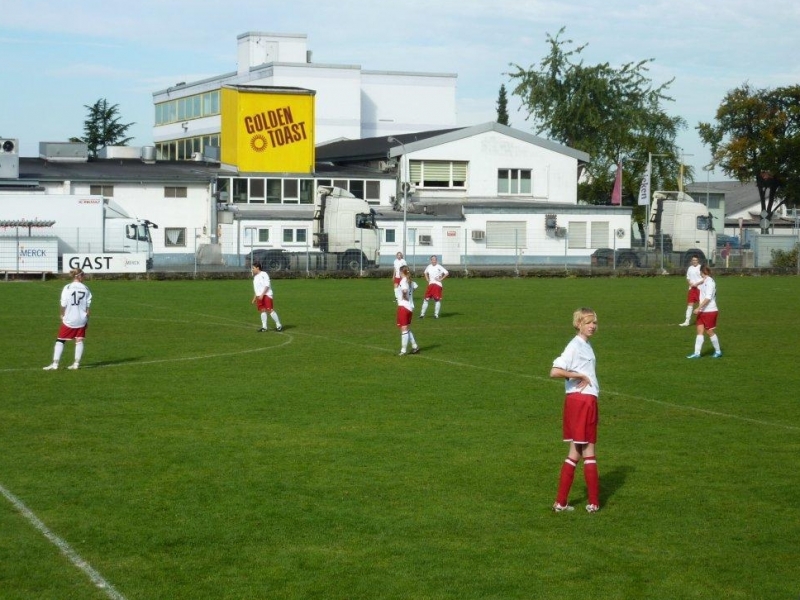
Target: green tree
x=757, y=138
x=502, y=106
x=611, y=113
x=102, y=127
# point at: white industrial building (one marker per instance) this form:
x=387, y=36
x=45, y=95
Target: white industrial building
x=351, y=102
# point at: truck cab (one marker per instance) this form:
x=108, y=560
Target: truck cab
x=345, y=225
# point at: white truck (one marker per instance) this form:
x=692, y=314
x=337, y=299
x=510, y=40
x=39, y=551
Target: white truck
x=56, y=232
x=678, y=229
x=345, y=237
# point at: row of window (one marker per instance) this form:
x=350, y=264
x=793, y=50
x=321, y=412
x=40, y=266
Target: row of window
x=183, y=149
x=275, y=190
x=170, y=191
x=190, y=107
x=175, y=237
x=453, y=174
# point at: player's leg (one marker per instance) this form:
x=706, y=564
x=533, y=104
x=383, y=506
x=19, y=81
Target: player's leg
x=57, y=352
x=78, y=353
x=592, y=478
x=566, y=478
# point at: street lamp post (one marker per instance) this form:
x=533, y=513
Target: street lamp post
x=403, y=185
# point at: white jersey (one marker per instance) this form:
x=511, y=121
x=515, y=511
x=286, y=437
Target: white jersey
x=399, y=262
x=579, y=356
x=405, y=293
x=75, y=300
x=708, y=291
x=693, y=275
x=435, y=273
x=261, y=284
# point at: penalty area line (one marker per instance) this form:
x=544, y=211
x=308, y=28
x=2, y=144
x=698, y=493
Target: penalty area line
x=98, y=580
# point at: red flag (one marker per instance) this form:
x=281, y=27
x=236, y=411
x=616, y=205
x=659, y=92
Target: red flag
x=616, y=194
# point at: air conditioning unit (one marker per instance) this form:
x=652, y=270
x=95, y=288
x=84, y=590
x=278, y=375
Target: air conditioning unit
x=561, y=232
x=9, y=159
x=478, y=236
x=425, y=240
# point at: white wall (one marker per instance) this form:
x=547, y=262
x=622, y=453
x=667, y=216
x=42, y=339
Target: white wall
x=554, y=174
x=395, y=103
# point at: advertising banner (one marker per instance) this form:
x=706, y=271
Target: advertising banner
x=106, y=263
x=267, y=130
x=29, y=254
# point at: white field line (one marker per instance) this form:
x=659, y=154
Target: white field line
x=97, y=579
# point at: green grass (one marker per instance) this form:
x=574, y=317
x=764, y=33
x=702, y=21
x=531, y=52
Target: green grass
x=194, y=458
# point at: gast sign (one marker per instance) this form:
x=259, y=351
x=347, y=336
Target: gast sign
x=106, y=263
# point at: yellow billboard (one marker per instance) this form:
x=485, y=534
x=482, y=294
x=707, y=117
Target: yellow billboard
x=267, y=130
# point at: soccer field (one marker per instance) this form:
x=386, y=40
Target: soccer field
x=193, y=458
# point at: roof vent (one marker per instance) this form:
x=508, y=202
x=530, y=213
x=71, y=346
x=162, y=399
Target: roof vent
x=64, y=151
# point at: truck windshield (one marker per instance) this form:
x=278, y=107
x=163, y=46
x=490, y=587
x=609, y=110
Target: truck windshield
x=365, y=221
x=140, y=232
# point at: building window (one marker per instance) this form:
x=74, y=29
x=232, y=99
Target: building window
x=514, y=181
x=438, y=173
x=291, y=191
x=576, y=232
x=263, y=236
x=274, y=191
x=257, y=190
x=188, y=107
x=239, y=194
x=506, y=234
x=175, y=237
x=390, y=236
x=306, y=191
x=102, y=190
x=175, y=192
x=373, y=192
x=294, y=236
x=599, y=235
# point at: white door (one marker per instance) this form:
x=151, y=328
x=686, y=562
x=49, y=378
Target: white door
x=451, y=246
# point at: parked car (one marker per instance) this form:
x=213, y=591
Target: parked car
x=271, y=260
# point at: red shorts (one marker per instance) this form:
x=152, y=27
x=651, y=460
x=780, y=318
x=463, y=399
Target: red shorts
x=396, y=280
x=580, y=418
x=264, y=303
x=693, y=296
x=707, y=319
x=433, y=291
x=403, y=316
x=71, y=333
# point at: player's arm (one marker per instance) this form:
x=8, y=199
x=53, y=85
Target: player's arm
x=559, y=373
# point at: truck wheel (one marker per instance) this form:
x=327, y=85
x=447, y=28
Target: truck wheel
x=627, y=261
x=351, y=261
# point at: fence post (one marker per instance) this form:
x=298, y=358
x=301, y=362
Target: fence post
x=465, y=251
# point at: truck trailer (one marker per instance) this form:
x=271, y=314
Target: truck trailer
x=37, y=232
x=678, y=229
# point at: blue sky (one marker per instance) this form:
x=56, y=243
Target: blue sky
x=61, y=55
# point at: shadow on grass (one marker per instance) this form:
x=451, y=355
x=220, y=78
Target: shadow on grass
x=612, y=481
x=111, y=363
